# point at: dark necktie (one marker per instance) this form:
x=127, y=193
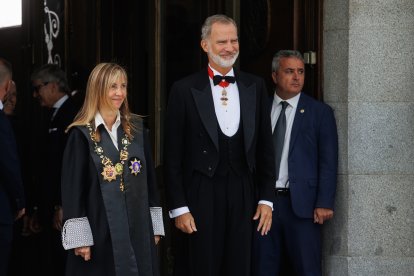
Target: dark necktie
x=52, y=113
x=279, y=136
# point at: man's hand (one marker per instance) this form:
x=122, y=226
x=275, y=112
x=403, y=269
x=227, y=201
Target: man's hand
x=57, y=218
x=264, y=212
x=186, y=223
x=322, y=214
x=84, y=252
x=20, y=213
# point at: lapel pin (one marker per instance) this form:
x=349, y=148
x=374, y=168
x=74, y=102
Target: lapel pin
x=302, y=110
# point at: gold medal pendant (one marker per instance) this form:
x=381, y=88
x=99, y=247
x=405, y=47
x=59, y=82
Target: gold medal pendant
x=224, y=98
x=123, y=155
x=109, y=173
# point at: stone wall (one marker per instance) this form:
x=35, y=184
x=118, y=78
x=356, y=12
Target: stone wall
x=369, y=81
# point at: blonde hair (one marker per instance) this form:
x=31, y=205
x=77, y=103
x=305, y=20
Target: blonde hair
x=100, y=81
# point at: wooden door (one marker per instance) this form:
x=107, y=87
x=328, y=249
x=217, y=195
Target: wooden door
x=269, y=26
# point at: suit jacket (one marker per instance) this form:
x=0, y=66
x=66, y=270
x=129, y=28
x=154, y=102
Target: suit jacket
x=54, y=148
x=313, y=157
x=11, y=187
x=191, y=142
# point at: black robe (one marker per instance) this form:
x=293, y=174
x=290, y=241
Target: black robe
x=120, y=221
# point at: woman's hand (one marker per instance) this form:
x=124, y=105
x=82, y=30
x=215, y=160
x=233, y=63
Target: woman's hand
x=157, y=239
x=84, y=252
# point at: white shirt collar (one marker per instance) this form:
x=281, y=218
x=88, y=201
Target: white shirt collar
x=60, y=102
x=100, y=121
x=292, y=101
x=230, y=73
x=1, y=105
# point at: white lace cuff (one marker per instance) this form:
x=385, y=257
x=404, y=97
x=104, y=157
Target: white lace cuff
x=157, y=222
x=76, y=232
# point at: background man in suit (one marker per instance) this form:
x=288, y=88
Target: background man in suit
x=217, y=156
x=11, y=186
x=306, y=157
x=51, y=89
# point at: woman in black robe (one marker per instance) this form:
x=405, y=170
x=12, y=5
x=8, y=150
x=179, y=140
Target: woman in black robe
x=109, y=196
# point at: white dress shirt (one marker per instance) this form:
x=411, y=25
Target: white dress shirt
x=283, y=177
x=228, y=117
x=112, y=133
x=58, y=104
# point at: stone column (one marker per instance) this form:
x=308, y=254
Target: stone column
x=369, y=81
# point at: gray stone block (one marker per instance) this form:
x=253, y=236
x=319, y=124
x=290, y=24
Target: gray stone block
x=381, y=66
x=335, y=66
x=381, y=138
x=336, y=266
x=381, y=216
x=381, y=266
x=336, y=14
x=341, y=116
x=335, y=231
x=368, y=14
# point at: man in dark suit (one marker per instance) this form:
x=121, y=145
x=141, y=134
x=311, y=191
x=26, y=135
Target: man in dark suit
x=11, y=188
x=51, y=89
x=219, y=171
x=306, y=157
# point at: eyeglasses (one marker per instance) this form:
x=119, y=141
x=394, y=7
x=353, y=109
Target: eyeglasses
x=38, y=87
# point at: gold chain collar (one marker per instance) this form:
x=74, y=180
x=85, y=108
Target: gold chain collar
x=111, y=171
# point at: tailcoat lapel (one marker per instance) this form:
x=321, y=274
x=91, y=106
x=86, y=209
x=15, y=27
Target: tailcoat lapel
x=205, y=105
x=248, y=98
x=297, y=122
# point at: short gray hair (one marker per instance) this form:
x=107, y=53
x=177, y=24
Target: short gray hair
x=217, y=18
x=52, y=73
x=285, y=54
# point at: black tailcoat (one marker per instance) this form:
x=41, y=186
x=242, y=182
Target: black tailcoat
x=192, y=152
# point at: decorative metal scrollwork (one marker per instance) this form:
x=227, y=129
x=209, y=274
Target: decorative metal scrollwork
x=51, y=28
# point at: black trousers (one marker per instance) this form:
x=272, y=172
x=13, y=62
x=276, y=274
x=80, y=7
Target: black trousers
x=223, y=208
x=291, y=238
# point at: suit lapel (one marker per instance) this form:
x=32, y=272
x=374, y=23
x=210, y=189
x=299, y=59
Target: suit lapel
x=247, y=96
x=205, y=106
x=297, y=122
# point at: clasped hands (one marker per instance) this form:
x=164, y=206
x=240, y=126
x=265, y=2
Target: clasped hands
x=186, y=223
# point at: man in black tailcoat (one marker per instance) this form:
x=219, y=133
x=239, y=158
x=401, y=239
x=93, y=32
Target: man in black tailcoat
x=219, y=164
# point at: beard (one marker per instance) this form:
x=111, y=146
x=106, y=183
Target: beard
x=225, y=63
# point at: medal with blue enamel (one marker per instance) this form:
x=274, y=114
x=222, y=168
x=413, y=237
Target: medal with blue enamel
x=136, y=166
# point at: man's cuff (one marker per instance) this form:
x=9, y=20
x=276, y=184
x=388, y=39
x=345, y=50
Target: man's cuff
x=265, y=202
x=178, y=212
